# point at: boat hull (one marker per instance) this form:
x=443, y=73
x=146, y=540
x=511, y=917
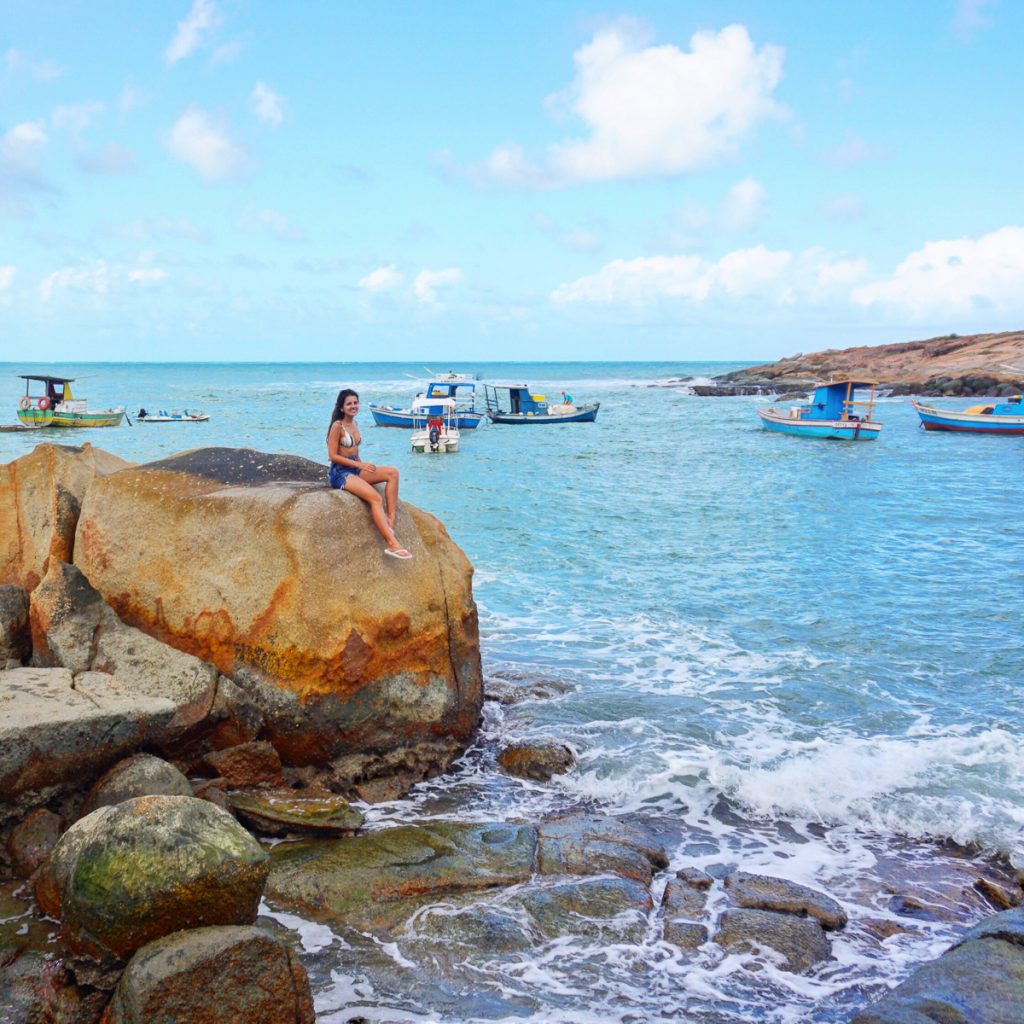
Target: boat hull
x=106, y=418
x=967, y=422
x=585, y=414
x=834, y=430
x=385, y=416
x=35, y=419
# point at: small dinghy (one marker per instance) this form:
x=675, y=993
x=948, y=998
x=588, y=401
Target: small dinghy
x=172, y=416
x=434, y=428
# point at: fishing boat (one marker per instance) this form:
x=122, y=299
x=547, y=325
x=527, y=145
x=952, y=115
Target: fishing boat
x=460, y=387
x=56, y=406
x=434, y=429
x=516, y=403
x=995, y=418
x=172, y=416
x=834, y=412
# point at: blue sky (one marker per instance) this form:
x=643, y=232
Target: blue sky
x=232, y=179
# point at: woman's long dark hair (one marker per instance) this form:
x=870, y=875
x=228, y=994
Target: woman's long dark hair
x=339, y=411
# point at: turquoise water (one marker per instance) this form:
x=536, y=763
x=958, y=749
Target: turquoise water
x=819, y=640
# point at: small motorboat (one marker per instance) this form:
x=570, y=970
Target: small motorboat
x=172, y=416
x=516, y=403
x=55, y=406
x=460, y=387
x=995, y=418
x=434, y=429
x=833, y=412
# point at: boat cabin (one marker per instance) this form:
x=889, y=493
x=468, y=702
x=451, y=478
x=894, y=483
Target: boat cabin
x=54, y=389
x=520, y=399
x=837, y=400
x=460, y=387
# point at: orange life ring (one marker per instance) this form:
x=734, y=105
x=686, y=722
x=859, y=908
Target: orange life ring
x=43, y=403
x=25, y=402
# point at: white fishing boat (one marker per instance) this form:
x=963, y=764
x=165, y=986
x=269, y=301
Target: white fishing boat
x=172, y=416
x=434, y=429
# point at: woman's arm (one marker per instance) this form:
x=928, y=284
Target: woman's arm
x=334, y=451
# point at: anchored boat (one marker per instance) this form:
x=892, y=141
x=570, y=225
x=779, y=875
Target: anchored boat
x=459, y=387
x=56, y=406
x=834, y=412
x=517, y=404
x=435, y=431
x=172, y=416
x=996, y=418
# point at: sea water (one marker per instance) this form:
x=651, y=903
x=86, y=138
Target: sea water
x=801, y=657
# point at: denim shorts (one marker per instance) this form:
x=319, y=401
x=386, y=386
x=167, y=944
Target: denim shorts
x=340, y=473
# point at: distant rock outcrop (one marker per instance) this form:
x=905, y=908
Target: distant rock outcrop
x=986, y=365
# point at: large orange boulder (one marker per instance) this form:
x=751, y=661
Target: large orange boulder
x=40, y=497
x=251, y=562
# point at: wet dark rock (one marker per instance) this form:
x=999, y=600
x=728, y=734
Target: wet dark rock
x=38, y=989
x=138, y=775
x=683, y=900
x=213, y=975
x=1002, y=897
x=581, y=844
x=979, y=980
x=512, y=690
x=468, y=932
x=248, y=764
x=762, y=892
x=31, y=841
x=15, y=639
x=134, y=872
x=800, y=941
x=685, y=934
x=538, y=760
x=609, y=909
x=286, y=812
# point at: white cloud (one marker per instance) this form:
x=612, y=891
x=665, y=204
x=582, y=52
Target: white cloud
x=428, y=281
x=955, y=277
x=193, y=140
x=131, y=97
x=383, y=279
x=22, y=145
x=7, y=277
x=109, y=159
x=192, y=32
x=42, y=71
x=853, y=150
x=652, y=111
x=970, y=17
x=273, y=223
x=76, y=116
x=146, y=275
x=744, y=205
x=266, y=104
x=846, y=207
x=776, y=276
x=227, y=53
x=93, y=277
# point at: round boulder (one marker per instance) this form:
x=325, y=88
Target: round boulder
x=208, y=975
x=139, y=775
x=134, y=872
x=536, y=759
x=253, y=563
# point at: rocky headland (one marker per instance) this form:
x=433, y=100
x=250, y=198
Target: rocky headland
x=208, y=671
x=983, y=365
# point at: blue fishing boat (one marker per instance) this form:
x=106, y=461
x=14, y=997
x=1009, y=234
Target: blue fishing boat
x=996, y=418
x=518, y=404
x=459, y=387
x=834, y=412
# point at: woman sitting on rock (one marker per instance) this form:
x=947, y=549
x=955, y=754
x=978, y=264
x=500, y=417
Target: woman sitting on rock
x=350, y=473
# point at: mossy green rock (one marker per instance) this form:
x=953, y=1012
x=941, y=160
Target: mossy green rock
x=131, y=873
x=374, y=882
x=613, y=909
x=281, y=812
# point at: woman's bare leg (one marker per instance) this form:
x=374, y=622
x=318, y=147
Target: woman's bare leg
x=388, y=476
x=361, y=489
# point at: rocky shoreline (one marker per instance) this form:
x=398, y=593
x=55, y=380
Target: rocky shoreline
x=197, y=690
x=979, y=365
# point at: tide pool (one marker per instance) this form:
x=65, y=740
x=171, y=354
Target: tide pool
x=807, y=653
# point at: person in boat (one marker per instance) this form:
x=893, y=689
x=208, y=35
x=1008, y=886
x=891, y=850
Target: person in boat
x=350, y=473
x=566, y=398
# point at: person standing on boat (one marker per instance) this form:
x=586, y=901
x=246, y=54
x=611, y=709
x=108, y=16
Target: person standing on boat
x=350, y=473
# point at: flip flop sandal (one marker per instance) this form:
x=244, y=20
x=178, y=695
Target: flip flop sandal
x=400, y=553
